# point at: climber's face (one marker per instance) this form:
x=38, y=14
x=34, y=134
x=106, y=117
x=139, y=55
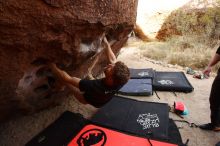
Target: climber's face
x=108, y=70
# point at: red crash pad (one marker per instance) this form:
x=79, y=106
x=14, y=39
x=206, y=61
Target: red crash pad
x=99, y=136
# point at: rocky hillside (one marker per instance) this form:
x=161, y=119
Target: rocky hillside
x=200, y=18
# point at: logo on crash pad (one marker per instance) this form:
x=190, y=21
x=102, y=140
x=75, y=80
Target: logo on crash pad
x=143, y=73
x=92, y=137
x=148, y=120
x=166, y=82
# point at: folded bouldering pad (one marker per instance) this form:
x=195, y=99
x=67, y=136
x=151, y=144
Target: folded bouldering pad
x=139, y=87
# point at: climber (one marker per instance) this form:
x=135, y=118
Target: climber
x=99, y=91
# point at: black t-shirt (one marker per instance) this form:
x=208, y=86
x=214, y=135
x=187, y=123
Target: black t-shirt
x=96, y=92
x=218, y=50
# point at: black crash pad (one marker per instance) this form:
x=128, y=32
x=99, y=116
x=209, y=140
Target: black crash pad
x=171, y=81
x=61, y=131
x=146, y=119
x=141, y=73
x=69, y=125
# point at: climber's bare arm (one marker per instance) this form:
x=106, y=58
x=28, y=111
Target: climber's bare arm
x=64, y=77
x=108, y=51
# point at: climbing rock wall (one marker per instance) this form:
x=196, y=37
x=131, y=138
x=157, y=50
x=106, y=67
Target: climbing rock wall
x=66, y=32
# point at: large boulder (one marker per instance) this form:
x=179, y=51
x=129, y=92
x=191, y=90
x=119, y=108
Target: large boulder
x=201, y=18
x=66, y=32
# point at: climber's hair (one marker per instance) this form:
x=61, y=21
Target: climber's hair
x=121, y=73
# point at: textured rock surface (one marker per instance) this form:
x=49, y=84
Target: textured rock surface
x=194, y=18
x=67, y=32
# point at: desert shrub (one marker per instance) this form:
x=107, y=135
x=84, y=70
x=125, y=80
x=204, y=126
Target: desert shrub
x=154, y=50
x=187, y=51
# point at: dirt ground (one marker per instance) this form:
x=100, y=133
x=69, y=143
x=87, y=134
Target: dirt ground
x=19, y=131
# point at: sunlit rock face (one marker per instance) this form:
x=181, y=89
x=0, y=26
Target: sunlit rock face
x=66, y=32
x=199, y=18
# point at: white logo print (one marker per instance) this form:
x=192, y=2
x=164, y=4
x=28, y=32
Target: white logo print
x=143, y=73
x=148, y=120
x=166, y=82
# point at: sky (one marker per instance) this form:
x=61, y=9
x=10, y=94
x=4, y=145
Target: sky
x=150, y=6
x=152, y=13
